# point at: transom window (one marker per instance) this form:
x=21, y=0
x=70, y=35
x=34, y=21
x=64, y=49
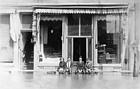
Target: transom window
x=79, y=25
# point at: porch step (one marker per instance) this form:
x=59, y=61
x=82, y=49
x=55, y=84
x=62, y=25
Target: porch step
x=28, y=66
x=48, y=68
x=108, y=68
x=6, y=66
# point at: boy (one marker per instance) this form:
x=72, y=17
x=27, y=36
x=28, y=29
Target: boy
x=80, y=66
x=69, y=65
x=62, y=66
x=88, y=66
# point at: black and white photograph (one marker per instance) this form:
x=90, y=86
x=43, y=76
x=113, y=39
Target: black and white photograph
x=69, y=44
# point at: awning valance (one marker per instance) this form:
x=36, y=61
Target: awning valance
x=83, y=11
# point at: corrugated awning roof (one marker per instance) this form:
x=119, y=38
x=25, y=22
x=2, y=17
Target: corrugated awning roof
x=83, y=11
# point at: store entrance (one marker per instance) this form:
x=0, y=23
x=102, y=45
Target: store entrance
x=79, y=49
x=28, y=50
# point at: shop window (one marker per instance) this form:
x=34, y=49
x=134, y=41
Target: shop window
x=27, y=21
x=109, y=41
x=51, y=38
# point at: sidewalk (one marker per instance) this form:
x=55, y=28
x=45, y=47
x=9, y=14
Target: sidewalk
x=51, y=69
x=6, y=66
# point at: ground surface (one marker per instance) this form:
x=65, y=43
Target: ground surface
x=42, y=80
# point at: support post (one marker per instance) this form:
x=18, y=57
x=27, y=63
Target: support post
x=16, y=56
x=34, y=33
x=36, y=38
x=136, y=67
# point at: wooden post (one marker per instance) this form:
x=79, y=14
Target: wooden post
x=136, y=67
x=16, y=61
x=34, y=33
x=36, y=38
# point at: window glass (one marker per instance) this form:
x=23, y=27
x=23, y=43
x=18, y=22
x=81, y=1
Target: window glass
x=27, y=21
x=70, y=48
x=86, y=21
x=109, y=41
x=73, y=25
x=90, y=49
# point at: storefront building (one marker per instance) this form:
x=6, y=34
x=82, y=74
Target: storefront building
x=90, y=33
x=103, y=33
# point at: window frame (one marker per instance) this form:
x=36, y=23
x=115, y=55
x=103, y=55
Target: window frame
x=79, y=27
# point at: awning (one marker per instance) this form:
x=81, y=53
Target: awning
x=83, y=11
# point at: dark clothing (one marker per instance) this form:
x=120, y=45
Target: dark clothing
x=88, y=65
x=62, y=67
x=80, y=65
x=62, y=64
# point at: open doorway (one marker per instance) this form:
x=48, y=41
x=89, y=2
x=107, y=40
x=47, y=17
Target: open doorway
x=28, y=50
x=79, y=49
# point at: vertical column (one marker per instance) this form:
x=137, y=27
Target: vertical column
x=124, y=30
x=16, y=61
x=137, y=37
x=95, y=40
x=137, y=28
x=64, y=40
x=34, y=29
x=34, y=39
x=131, y=26
x=72, y=48
x=92, y=40
x=79, y=25
x=35, y=33
x=43, y=34
x=87, y=44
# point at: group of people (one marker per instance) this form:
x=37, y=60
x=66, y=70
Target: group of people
x=64, y=66
x=84, y=68
x=81, y=67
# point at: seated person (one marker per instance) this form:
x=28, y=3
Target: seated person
x=80, y=66
x=62, y=66
x=69, y=65
x=88, y=66
x=108, y=58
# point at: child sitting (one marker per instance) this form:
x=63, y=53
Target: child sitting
x=62, y=66
x=80, y=66
x=69, y=65
x=88, y=66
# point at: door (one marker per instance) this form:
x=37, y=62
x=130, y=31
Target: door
x=79, y=49
x=27, y=52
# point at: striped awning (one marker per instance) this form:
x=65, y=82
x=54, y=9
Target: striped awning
x=83, y=11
